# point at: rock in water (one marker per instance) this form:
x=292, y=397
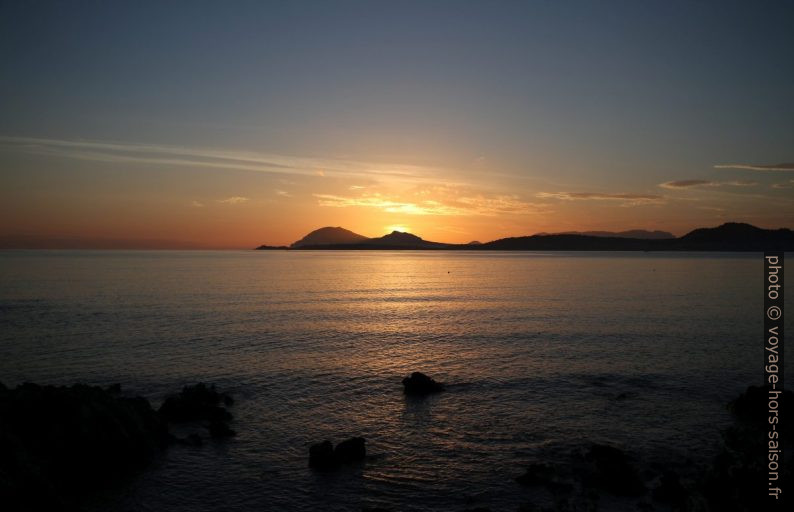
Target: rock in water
x=200, y=403
x=193, y=403
x=324, y=457
x=420, y=384
x=537, y=474
x=60, y=443
x=321, y=456
x=613, y=472
x=352, y=450
x=219, y=429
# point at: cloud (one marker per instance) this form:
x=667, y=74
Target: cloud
x=163, y=155
x=234, y=200
x=788, y=184
x=436, y=200
x=627, y=199
x=283, y=193
x=752, y=167
x=679, y=184
x=197, y=204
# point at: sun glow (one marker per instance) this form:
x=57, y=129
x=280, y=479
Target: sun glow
x=398, y=227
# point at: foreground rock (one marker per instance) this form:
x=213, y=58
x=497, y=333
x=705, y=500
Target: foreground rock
x=731, y=481
x=741, y=464
x=420, y=384
x=57, y=443
x=611, y=470
x=324, y=457
x=200, y=403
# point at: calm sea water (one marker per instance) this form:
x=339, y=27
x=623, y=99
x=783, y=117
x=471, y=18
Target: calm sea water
x=544, y=352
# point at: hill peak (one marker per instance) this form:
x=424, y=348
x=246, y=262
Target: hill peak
x=329, y=236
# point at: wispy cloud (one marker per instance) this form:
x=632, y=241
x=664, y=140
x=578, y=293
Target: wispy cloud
x=754, y=167
x=197, y=204
x=163, y=155
x=283, y=193
x=234, y=200
x=788, y=184
x=682, y=184
x=438, y=200
x=626, y=199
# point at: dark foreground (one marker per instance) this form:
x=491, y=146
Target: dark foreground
x=60, y=445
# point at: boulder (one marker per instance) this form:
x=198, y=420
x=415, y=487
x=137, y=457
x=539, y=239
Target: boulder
x=537, y=474
x=324, y=457
x=321, y=456
x=194, y=403
x=219, y=429
x=59, y=443
x=612, y=471
x=351, y=450
x=670, y=489
x=420, y=384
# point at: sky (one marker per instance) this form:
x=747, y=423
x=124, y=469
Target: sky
x=234, y=124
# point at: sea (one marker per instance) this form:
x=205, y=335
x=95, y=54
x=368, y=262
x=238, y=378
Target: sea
x=542, y=354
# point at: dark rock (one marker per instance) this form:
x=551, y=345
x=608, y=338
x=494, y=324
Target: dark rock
x=670, y=489
x=752, y=406
x=194, y=403
x=731, y=482
x=352, y=450
x=193, y=440
x=219, y=429
x=420, y=384
x=612, y=471
x=321, y=456
x=58, y=443
x=537, y=474
x=324, y=457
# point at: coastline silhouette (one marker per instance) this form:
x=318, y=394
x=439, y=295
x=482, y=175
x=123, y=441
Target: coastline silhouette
x=731, y=236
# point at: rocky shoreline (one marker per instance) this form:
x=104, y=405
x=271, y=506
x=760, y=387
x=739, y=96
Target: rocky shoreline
x=59, y=444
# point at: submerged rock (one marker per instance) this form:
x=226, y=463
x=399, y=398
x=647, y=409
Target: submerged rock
x=323, y=456
x=420, y=384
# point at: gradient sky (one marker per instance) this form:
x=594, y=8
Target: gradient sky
x=231, y=124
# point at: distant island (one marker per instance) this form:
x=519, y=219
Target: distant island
x=731, y=236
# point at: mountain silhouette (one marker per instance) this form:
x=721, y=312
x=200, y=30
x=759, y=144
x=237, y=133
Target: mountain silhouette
x=632, y=233
x=731, y=236
x=403, y=240
x=736, y=236
x=328, y=236
x=394, y=240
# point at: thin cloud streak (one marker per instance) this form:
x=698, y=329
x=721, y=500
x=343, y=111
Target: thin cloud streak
x=752, y=167
x=478, y=205
x=684, y=184
x=233, y=200
x=155, y=154
x=626, y=199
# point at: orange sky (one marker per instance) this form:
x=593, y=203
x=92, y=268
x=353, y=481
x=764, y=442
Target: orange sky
x=164, y=196
x=130, y=124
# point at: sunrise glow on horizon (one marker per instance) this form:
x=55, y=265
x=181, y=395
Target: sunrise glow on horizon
x=455, y=121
